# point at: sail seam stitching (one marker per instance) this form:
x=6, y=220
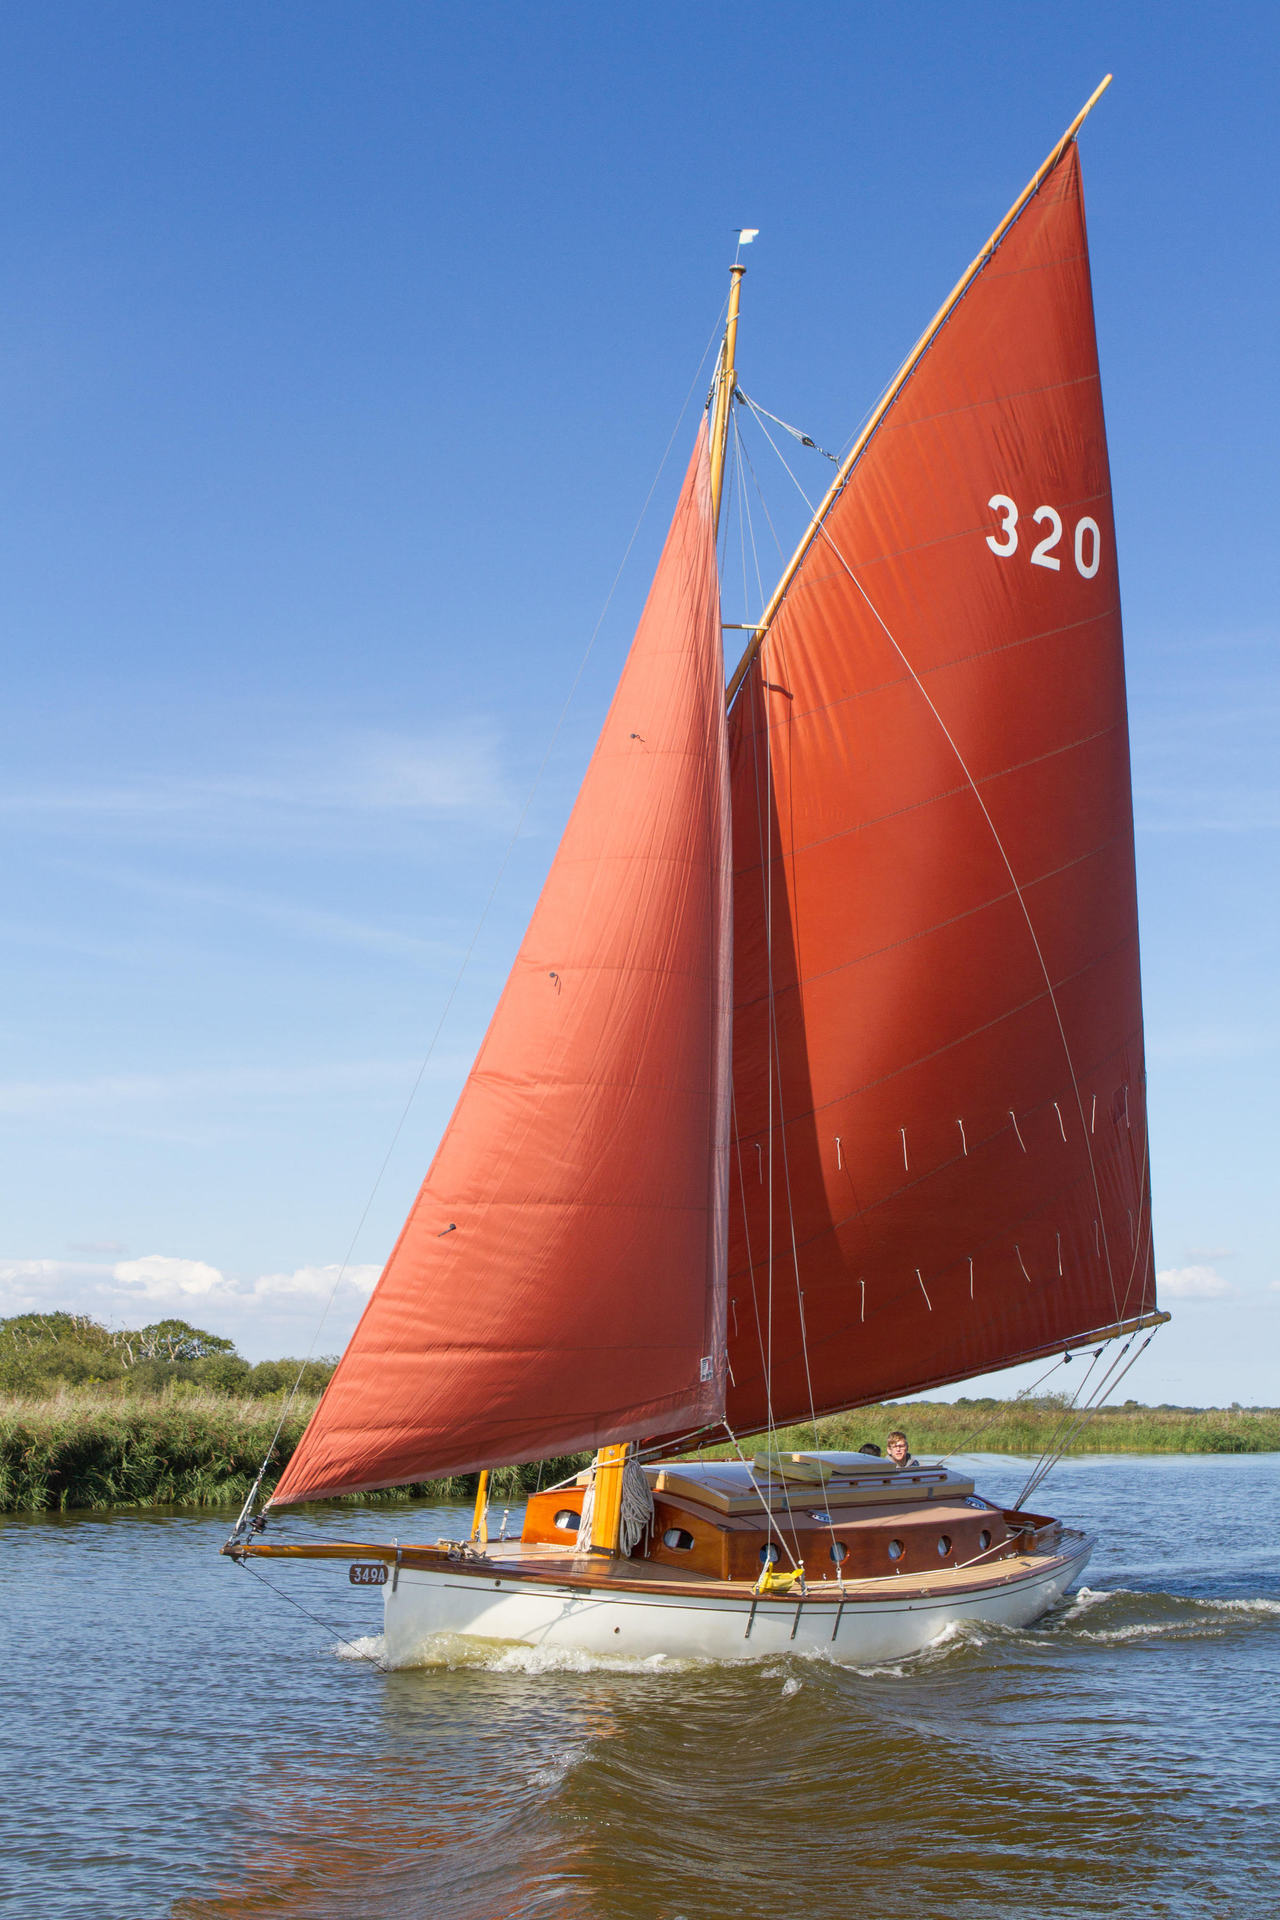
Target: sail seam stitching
x=826, y=534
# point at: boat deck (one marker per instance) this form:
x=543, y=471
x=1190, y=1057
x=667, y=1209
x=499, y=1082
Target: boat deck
x=561, y=1568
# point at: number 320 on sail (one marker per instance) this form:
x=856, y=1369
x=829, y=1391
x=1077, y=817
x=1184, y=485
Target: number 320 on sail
x=1087, y=542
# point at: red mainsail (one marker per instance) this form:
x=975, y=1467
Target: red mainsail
x=941, y=1136
x=559, y=1283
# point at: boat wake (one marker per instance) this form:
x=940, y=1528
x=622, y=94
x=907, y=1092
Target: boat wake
x=456, y=1652
x=1124, y=1614
x=1093, y=1617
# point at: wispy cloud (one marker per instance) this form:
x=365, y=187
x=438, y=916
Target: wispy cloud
x=1208, y=766
x=1189, y=808
x=448, y=776
x=197, y=1087
x=1193, y=1283
x=1216, y=1040
x=290, y=916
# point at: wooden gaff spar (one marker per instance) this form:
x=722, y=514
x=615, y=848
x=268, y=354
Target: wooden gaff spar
x=819, y=1077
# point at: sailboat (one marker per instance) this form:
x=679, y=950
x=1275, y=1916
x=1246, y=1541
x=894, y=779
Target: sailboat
x=818, y=1079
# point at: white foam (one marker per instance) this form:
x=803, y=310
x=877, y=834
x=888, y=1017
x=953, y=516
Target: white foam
x=558, y=1770
x=1087, y=1597
x=370, y=1646
x=458, y=1650
x=790, y=1686
x=1194, y=1618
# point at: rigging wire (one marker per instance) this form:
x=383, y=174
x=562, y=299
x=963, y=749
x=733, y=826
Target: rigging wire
x=742, y=459
x=797, y=433
x=1059, y=1443
x=966, y=1445
x=371, y=1658
x=764, y=504
x=484, y=915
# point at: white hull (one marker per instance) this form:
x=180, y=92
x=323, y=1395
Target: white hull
x=869, y=1625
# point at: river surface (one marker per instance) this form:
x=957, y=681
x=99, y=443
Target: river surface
x=178, y=1740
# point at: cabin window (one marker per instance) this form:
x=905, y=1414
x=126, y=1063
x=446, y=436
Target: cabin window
x=678, y=1538
x=944, y=1545
x=839, y=1551
x=896, y=1549
x=567, y=1520
x=770, y=1555
x=984, y=1541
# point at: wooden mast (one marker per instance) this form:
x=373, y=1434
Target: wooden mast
x=610, y=1462
x=896, y=384
x=726, y=383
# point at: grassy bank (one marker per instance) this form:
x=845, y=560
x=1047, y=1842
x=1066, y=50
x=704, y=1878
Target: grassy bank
x=83, y=1447
x=187, y=1446
x=1028, y=1427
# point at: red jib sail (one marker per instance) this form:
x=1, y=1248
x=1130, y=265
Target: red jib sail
x=559, y=1283
x=941, y=1155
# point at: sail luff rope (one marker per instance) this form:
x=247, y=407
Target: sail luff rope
x=825, y=533
x=774, y=1043
x=484, y=914
x=764, y=812
x=746, y=1237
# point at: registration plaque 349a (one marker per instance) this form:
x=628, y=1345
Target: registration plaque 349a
x=367, y=1573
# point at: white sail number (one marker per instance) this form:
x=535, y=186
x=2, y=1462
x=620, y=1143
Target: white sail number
x=1087, y=542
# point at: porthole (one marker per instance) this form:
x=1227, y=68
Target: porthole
x=984, y=1541
x=896, y=1549
x=839, y=1551
x=944, y=1545
x=567, y=1520
x=770, y=1555
x=677, y=1538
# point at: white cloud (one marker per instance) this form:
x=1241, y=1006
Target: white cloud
x=158, y=1277
x=318, y=1282
x=268, y=1315
x=1192, y=1283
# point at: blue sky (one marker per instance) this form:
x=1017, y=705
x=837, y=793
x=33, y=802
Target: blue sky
x=339, y=347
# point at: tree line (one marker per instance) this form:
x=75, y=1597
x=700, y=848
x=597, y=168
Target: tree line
x=40, y=1352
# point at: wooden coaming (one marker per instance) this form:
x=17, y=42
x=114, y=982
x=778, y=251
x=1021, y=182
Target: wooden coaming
x=927, y=1514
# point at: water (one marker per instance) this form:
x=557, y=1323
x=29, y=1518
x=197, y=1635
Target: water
x=178, y=1741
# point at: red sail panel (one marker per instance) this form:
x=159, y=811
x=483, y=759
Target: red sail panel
x=559, y=1283
x=941, y=1159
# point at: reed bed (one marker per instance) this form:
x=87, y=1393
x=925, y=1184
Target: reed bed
x=89, y=1448
x=80, y=1448
x=1029, y=1427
